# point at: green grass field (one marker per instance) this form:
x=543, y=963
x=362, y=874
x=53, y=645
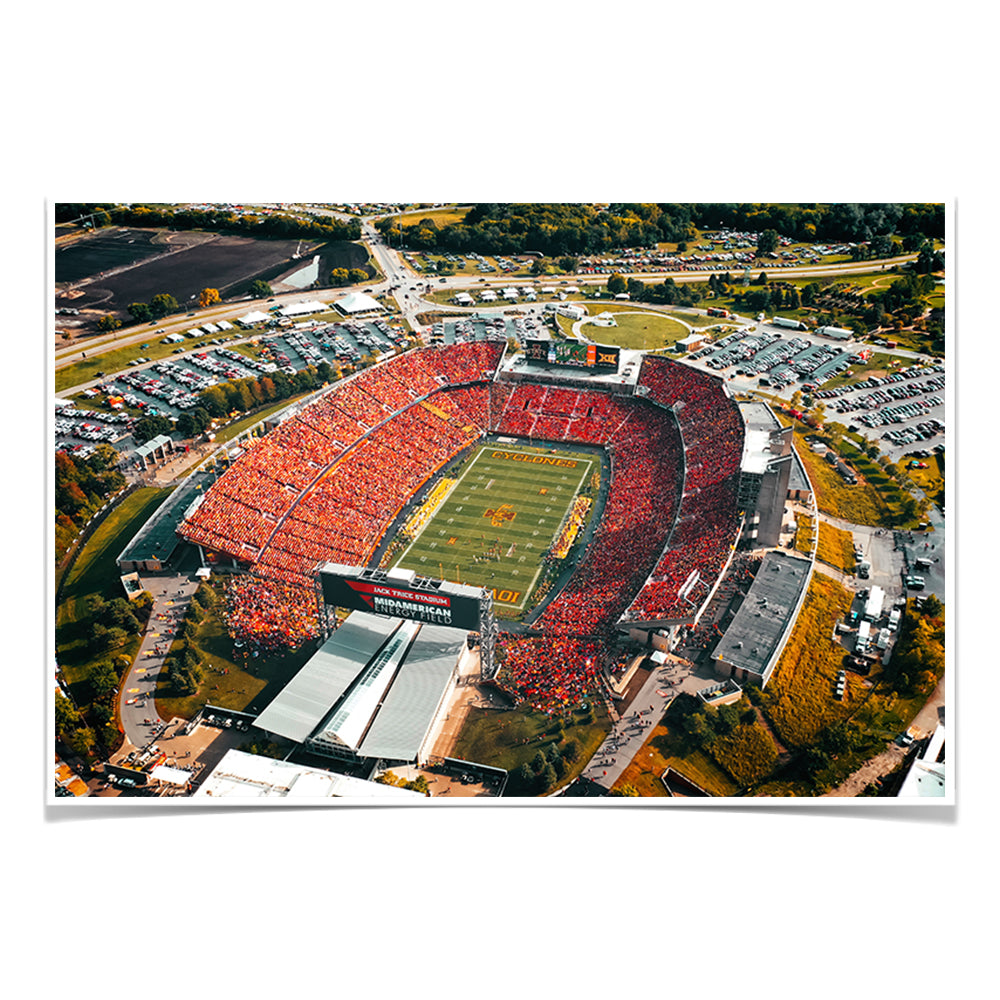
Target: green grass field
x=500, y=519
x=641, y=331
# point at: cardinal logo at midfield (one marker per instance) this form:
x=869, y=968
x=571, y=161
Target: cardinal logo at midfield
x=501, y=515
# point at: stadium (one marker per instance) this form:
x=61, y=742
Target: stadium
x=586, y=503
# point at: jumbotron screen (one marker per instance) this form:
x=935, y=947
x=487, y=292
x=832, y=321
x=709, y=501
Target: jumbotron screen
x=572, y=354
x=439, y=604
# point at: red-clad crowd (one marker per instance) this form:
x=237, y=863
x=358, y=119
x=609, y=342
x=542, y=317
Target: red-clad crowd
x=553, y=674
x=321, y=487
x=638, y=514
x=346, y=515
x=267, y=615
x=324, y=486
x=708, y=519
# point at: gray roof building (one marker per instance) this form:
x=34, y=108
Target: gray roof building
x=373, y=690
x=750, y=647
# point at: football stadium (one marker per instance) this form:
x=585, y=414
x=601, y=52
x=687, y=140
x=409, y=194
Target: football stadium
x=582, y=502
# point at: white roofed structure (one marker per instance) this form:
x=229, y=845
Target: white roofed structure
x=240, y=776
x=303, y=308
x=251, y=318
x=374, y=689
x=357, y=303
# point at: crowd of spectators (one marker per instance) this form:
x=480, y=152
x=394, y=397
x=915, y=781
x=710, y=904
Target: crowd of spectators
x=646, y=462
x=266, y=616
x=708, y=520
x=326, y=486
x=554, y=674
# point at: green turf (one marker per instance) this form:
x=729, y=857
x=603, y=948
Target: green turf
x=460, y=530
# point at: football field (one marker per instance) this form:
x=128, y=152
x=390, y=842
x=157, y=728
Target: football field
x=501, y=517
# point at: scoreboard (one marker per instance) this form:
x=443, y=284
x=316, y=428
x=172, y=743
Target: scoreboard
x=399, y=593
x=572, y=354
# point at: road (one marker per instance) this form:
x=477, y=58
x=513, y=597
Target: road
x=397, y=272
x=171, y=597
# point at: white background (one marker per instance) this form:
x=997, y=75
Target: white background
x=499, y=103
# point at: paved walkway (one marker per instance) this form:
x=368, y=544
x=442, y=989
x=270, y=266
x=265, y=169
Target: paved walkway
x=171, y=597
x=632, y=730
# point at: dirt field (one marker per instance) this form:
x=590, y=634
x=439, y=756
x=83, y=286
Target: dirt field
x=151, y=264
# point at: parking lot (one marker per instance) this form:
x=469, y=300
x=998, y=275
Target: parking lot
x=908, y=401
x=493, y=327
x=170, y=386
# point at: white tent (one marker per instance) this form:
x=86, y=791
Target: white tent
x=358, y=302
x=251, y=318
x=171, y=775
x=304, y=308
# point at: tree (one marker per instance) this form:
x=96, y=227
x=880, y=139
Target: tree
x=525, y=776
x=163, y=304
x=81, y=741
x=67, y=717
x=209, y=296
x=205, y=595
x=339, y=276
x=932, y=607
x=766, y=242
x=260, y=289
x=103, y=680
x=569, y=264
x=108, y=323
x=140, y=312
x=929, y=260
x=114, y=637
x=882, y=245
x=356, y=274
x=547, y=777
x=118, y=613
x=627, y=791
x=616, y=284
x=147, y=428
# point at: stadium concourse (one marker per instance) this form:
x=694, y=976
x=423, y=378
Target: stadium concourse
x=327, y=484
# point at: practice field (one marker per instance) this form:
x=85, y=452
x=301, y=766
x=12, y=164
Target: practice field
x=500, y=519
x=220, y=262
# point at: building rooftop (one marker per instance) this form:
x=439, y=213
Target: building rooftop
x=754, y=634
x=373, y=688
x=242, y=775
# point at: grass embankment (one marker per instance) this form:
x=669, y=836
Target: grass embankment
x=799, y=700
x=805, y=534
x=512, y=738
x=803, y=710
x=836, y=547
x=931, y=479
x=231, y=681
x=874, y=500
x=440, y=216
x=659, y=752
x=95, y=574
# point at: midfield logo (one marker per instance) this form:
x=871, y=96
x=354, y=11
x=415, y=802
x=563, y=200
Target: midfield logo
x=501, y=515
